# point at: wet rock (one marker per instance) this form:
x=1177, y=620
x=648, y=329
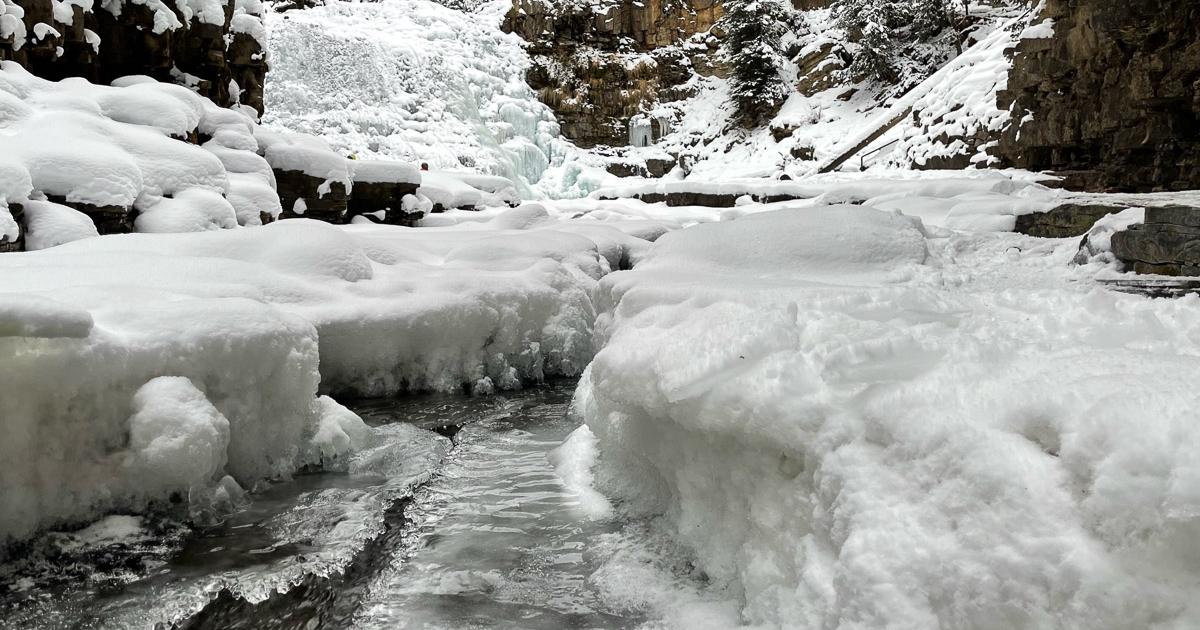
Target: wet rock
x=624, y=169
x=659, y=167
x=1064, y=221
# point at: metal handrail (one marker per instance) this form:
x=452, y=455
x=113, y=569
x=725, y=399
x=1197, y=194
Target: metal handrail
x=862, y=160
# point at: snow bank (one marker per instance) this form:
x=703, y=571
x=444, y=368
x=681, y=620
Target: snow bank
x=138, y=367
x=852, y=435
x=829, y=188
x=48, y=224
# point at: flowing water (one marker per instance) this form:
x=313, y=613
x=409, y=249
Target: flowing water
x=455, y=517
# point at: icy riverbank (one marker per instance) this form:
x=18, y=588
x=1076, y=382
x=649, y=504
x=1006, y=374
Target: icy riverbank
x=252, y=324
x=858, y=422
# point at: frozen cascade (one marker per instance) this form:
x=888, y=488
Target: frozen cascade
x=412, y=80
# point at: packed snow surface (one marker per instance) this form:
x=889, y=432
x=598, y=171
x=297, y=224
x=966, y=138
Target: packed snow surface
x=860, y=421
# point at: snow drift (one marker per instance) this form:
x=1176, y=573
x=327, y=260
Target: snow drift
x=856, y=422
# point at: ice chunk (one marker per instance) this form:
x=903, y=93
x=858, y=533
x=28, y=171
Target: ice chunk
x=177, y=438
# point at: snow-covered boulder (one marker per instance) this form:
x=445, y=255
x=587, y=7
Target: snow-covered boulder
x=380, y=191
x=110, y=153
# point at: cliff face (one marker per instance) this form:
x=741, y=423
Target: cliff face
x=600, y=65
x=1112, y=100
x=217, y=48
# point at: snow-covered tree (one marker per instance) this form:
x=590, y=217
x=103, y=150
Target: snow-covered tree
x=754, y=35
x=882, y=28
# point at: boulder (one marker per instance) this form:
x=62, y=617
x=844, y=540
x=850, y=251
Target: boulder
x=382, y=202
x=1168, y=243
x=309, y=197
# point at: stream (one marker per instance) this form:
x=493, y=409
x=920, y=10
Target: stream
x=454, y=517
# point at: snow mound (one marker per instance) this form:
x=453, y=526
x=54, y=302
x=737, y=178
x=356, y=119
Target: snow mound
x=123, y=147
x=989, y=439
x=48, y=224
x=823, y=243
x=177, y=437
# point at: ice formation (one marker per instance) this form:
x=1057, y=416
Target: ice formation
x=415, y=81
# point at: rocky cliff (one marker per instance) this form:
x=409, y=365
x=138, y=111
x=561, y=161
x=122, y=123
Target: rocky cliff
x=1112, y=99
x=216, y=48
x=601, y=65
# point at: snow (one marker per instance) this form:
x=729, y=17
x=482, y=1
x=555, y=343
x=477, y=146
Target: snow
x=830, y=188
x=34, y=316
x=384, y=171
x=49, y=224
x=248, y=326
x=448, y=191
x=177, y=438
x=960, y=102
x=573, y=462
x=1097, y=243
x=303, y=153
x=190, y=210
x=1042, y=30
x=128, y=138
x=857, y=422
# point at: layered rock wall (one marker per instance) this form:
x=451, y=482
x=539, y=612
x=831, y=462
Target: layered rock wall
x=1111, y=100
x=600, y=65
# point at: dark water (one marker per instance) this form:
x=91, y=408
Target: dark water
x=453, y=518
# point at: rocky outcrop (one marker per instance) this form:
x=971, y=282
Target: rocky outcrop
x=220, y=56
x=310, y=197
x=1065, y=221
x=383, y=202
x=1112, y=100
x=600, y=65
x=1168, y=243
